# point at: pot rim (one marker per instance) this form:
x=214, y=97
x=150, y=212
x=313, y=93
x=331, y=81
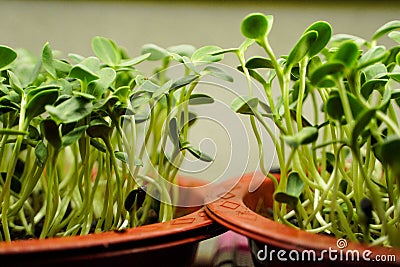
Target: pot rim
x=190, y=228
x=231, y=211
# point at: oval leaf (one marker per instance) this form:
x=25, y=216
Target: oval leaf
x=98, y=87
x=361, y=125
x=386, y=28
x=218, y=73
x=301, y=49
x=183, y=81
x=245, y=105
x=47, y=60
x=325, y=70
x=73, y=136
x=156, y=52
x=259, y=63
x=347, y=53
x=71, y=110
x=7, y=56
x=324, y=31
x=205, y=55
x=182, y=50
x=388, y=153
x=106, y=50
x=36, y=105
x=41, y=153
x=255, y=26
x=375, y=54
x=305, y=136
x=83, y=73
x=200, y=99
x=51, y=133
x=198, y=154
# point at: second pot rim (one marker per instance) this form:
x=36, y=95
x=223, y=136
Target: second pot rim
x=231, y=211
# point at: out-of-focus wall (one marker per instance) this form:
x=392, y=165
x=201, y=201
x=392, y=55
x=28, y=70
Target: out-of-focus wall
x=69, y=26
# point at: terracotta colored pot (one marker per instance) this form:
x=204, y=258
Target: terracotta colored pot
x=280, y=245
x=173, y=243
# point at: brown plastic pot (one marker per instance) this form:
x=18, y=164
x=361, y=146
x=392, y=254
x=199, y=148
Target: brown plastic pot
x=235, y=210
x=172, y=243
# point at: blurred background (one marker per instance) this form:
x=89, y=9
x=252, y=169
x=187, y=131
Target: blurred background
x=69, y=26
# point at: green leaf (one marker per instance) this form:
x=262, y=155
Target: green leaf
x=123, y=93
x=245, y=105
x=374, y=55
x=71, y=110
x=47, y=60
x=361, y=125
x=134, y=61
x=15, y=83
x=99, y=130
x=199, y=154
x=61, y=66
x=106, y=78
x=305, y=136
x=83, y=73
x=338, y=39
x=99, y=146
x=182, y=50
x=369, y=86
x=301, y=49
x=106, y=50
x=163, y=89
x=184, y=81
x=147, y=85
x=41, y=153
x=334, y=107
x=156, y=52
x=191, y=118
x=73, y=136
x=84, y=95
x=357, y=108
x=37, y=103
x=258, y=62
x=325, y=70
x=347, y=54
x=122, y=156
x=7, y=56
x=255, y=26
x=395, y=36
x=51, y=133
x=386, y=28
x=204, y=55
x=324, y=31
x=376, y=71
x=295, y=185
x=225, y=51
x=388, y=153
x=76, y=58
x=135, y=199
x=174, y=131
x=398, y=58
x=283, y=197
x=218, y=73
x=294, y=188
x=200, y=99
